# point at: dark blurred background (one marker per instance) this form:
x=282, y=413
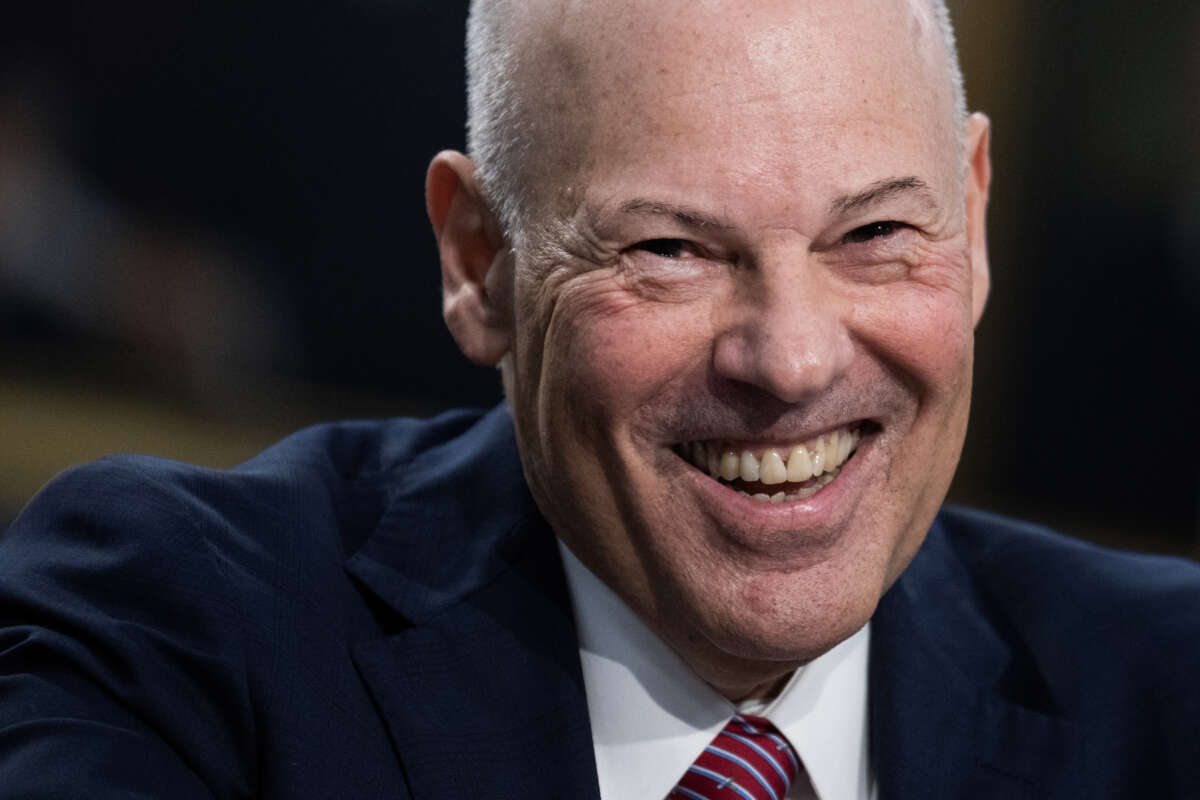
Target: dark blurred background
x=212, y=232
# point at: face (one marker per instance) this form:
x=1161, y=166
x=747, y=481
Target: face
x=741, y=327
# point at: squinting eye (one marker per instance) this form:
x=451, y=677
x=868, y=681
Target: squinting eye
x=666, y=248
x=876, y=230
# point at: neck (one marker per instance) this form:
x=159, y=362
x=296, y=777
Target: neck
x=735, y=678
x=765, y=691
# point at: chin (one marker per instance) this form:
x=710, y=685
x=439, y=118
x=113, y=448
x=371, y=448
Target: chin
x=778, y=617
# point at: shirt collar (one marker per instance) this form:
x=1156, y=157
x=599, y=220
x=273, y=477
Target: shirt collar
x=651, y=716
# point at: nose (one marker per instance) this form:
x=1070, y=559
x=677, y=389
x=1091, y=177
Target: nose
x=784, y=330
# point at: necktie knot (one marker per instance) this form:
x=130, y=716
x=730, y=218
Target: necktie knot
x=748, y=760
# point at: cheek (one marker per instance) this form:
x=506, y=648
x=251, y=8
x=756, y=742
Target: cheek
x=922, y=330
x=612, y=351
x=602, y=357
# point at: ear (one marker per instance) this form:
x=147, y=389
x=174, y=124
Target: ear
x=475, y=278
x=978, y=183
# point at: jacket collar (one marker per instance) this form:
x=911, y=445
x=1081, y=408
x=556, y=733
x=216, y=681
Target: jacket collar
x=479, y=682
x=957, y=710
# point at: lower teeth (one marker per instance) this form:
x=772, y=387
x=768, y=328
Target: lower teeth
x=809, y=488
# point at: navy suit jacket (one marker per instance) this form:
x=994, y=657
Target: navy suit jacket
x=377, y=610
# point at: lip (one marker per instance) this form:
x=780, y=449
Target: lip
x=792, y=525
x=759, y=445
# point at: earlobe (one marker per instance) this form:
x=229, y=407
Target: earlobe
x=472, y=257
x=978, y=184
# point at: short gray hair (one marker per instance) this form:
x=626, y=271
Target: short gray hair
x=500, y=133
x=496, y=137
x=957, y=87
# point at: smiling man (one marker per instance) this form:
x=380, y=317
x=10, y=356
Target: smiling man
x=732, y=267
x=753, y=247
x=730, y=257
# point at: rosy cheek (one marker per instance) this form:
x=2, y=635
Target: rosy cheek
x=923, y=331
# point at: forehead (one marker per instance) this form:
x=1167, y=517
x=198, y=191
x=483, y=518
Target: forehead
x=792, y=91
x=733, y=41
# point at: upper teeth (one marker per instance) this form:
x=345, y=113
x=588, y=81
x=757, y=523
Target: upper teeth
x=775, y=465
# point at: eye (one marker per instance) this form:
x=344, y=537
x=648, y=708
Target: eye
x=664, y=248
x=875, y=230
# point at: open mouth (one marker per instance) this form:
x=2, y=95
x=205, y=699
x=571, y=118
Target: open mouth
x=776, y=474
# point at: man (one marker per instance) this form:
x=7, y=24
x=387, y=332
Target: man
x=730, y=258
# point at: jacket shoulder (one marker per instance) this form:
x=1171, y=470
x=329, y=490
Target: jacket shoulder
x=1049, y=567
x=146, y=607
x=1094, y=619
x=1106, y=641
x=333, y=477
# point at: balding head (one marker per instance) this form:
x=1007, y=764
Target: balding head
x=529, y=63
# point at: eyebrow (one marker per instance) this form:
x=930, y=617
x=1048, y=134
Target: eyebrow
x=884, y=190
x=875, y=193
x=684, y=216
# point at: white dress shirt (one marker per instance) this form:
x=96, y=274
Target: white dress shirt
x=651, y=716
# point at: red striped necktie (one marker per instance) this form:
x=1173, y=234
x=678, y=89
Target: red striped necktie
x=748, y=760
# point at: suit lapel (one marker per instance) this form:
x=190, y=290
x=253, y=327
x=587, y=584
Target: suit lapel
x=478, y=677
x=487, y=699
x=956, y=709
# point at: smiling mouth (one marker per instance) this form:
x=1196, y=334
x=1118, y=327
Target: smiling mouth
x=776, y=474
